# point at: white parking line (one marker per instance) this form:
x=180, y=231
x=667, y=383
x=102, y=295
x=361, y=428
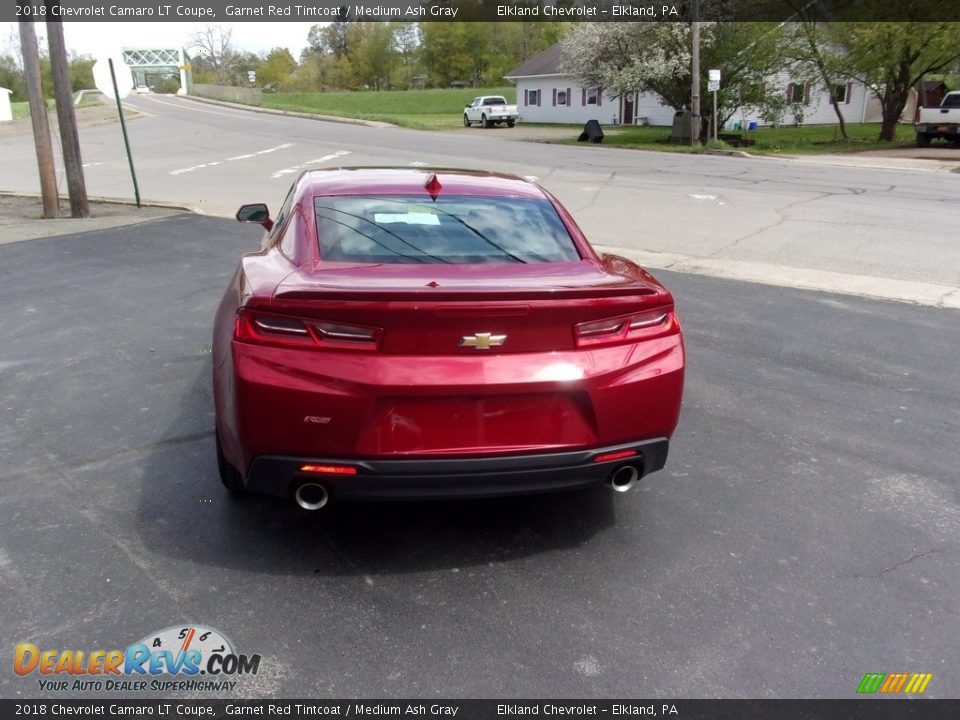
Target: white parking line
x=273, y=149
x=213, y=163
x=294, y=168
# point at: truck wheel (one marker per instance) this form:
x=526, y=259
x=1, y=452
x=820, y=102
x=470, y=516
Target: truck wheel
x=923, y=140
x=466, y=123
x=511, y=123
x=485, y=121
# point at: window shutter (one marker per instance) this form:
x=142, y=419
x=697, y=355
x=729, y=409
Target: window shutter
x=806, y=94
x=554, y=97
x=526, y=98
x=569, y=90
x=789, y=92
x=599, y=96
x=846, y=97
x=583, y=97
x=539, y=93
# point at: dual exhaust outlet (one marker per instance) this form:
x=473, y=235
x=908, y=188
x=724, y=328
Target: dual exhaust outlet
x=624, y=477
x=313, y=496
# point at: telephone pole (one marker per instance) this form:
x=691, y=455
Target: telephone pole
x=39, y=120
x=67, y=119
x=695, y=74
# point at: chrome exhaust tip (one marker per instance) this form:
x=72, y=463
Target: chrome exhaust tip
x=311, y=496
x=623, y=478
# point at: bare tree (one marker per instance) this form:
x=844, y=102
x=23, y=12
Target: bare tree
x=213, y=43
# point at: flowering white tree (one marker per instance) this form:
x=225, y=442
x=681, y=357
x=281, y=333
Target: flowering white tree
x=655, y=57
x=624, y=57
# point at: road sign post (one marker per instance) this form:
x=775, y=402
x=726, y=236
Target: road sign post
x=105, y=76
x=713, y=84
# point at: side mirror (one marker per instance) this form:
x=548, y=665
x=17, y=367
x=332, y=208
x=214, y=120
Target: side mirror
x=255, y=213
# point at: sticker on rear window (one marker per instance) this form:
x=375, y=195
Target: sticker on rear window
x=407, y=218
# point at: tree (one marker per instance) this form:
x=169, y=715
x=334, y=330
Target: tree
x=447, y=57
x=891, y=58
x=371, y=53
x=815, y=61
x=655, y=57
x=11, y=77
x=277, y=67
x=214, y=46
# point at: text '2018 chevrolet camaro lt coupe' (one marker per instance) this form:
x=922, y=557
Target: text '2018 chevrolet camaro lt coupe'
x=412, y=333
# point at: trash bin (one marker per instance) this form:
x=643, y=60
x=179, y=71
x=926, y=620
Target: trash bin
x=592, y=132
x=681, y=134
x=752, y=125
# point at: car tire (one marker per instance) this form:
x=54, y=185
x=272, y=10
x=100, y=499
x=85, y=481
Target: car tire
x=229, y=475
x=511, y=123
x=485, y=121
x=466, y=123
x=923, y=140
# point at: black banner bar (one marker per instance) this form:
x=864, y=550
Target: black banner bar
x=433, y=709
x=318, y=11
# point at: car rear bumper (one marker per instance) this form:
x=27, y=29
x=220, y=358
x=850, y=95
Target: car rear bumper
x=424, y=478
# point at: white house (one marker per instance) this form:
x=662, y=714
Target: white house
x=545, y=95
x=6, y=113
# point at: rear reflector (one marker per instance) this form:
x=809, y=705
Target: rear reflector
x=620, y=455
x=328, y=469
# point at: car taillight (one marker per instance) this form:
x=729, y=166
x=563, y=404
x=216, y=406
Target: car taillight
x=626, y=328
x=283, y=330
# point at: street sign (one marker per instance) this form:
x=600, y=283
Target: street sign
x=713, y=85
x=101, y=76
x=713, y=75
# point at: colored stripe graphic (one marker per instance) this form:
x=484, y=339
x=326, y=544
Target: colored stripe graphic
x=909, y=683
x=870, y=683
x=918, y=682
x=893, y=683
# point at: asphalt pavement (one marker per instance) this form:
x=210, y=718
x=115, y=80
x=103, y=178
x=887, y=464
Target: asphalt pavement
x=804, y=532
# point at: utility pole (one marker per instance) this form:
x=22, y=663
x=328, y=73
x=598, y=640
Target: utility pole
x=695, y=74
x=67, y=119
x=39, y=120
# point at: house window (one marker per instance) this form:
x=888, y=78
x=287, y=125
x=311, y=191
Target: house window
x=593, y=95
x=798, y=92
x=533, y=97
x=841, y=93
x=561, y=97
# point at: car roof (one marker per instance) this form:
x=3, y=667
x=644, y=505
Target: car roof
x=412, y=181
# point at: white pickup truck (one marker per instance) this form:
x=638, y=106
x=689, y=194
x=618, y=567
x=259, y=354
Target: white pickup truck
x=940, y=122
x=489, y=110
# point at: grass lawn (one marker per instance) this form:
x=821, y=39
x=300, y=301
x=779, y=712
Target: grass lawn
x=442, y=110
x=418, y=109
x=22, y=109
x=807, y=139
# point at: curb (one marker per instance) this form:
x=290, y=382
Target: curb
x=108, y=201
x=290, y=113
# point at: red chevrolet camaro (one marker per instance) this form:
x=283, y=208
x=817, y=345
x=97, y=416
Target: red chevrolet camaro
x=417, y=333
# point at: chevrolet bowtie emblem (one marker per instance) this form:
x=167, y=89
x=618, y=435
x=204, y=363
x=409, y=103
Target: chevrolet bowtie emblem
x=482, y=341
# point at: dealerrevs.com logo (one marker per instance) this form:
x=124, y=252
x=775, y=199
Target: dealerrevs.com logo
x=179, y=658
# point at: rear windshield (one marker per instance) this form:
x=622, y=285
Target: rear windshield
x=399, y=229
x=495, y=101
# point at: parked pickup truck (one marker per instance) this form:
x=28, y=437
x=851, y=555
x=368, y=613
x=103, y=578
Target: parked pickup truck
x=489, y=110
x=942, y=122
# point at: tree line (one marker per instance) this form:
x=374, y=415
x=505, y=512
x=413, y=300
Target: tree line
x=377, y=56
